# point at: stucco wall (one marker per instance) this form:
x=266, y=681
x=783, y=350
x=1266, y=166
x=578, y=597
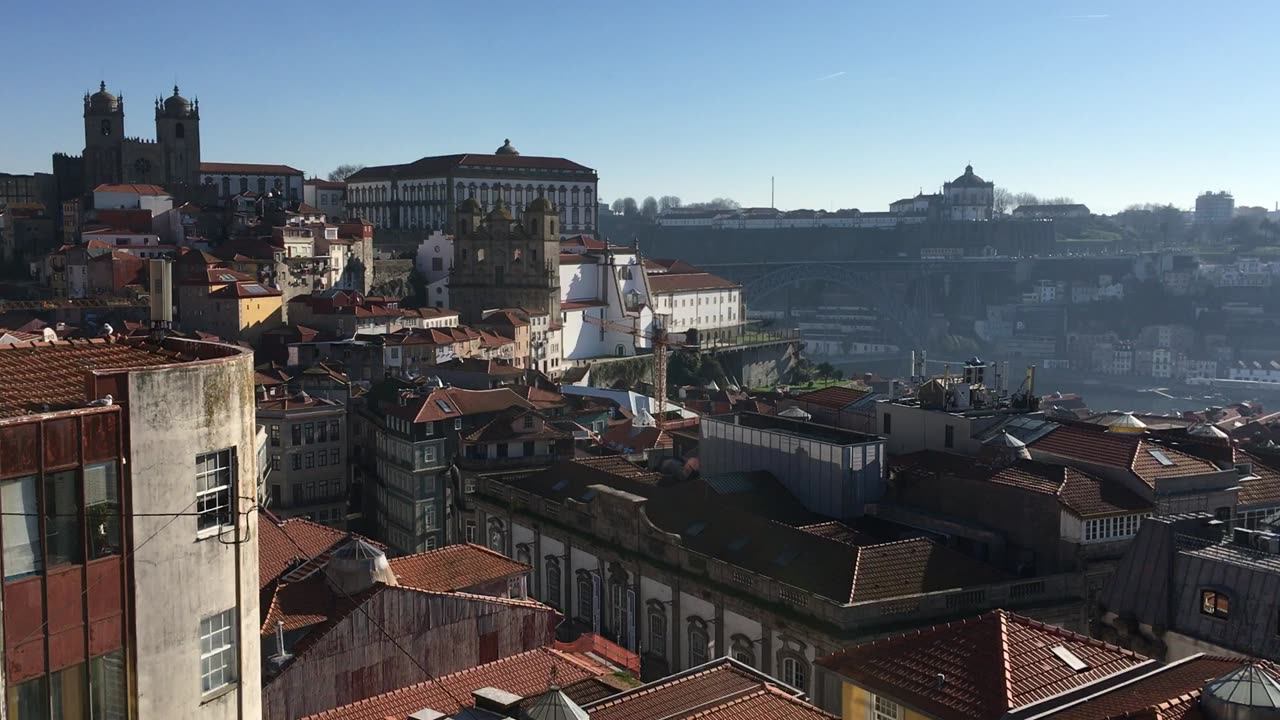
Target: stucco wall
x=180, y=576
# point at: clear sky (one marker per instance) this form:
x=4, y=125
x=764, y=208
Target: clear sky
x=847, y=103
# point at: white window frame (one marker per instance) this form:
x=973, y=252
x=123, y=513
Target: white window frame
x=217, y=652
x=882, y=708
x=210, y=493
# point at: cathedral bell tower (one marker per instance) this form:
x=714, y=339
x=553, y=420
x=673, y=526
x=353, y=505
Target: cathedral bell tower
x=103, y=138
x=178, y=134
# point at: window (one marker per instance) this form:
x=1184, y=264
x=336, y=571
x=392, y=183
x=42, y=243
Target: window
x=276, y=496
x=295, y=432
x=217, y=651
x=471, y=530
x=22, y=554
x=108, y=692
x=657, y=630
x=794, y=672
x=334, y=458
x=527, y=422
x=457, y=423
x=586, y=598
x=308, y=433
x=1215, y=603
x=1112, y=528
x=62, y=518
x=552, y=596
x=497, y=539
x=950, y=436
x=102, y=509
x=887, y=424
x=621, y=599
x=429, y=518
x=309, y=460
x=30, y=699
x=323, y=459
x=334, y=432
x=699, y=642
x=295, y=461
x=882, y=708
x=322, y=432
x=214, y=472
x=275, y=436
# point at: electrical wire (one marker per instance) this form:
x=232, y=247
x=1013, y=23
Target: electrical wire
x=123, y=554
x=396, y=643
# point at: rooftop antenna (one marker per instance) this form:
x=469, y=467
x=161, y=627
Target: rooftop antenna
x=772, y=187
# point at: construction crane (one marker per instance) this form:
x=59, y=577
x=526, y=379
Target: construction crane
x=661, y=342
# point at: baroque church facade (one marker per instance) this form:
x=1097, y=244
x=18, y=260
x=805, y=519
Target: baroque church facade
x=501, y=262
x=171, y=160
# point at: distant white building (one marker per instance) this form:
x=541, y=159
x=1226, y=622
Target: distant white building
x=968, y=197
x=329, y=196
x=230, y=179
x=1252, y=370
x=434, y=261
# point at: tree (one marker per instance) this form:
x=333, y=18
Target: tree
x=825, y=370
x=649, y=208
x=342, y=172
x=1025, y=198
x=617, y=206
x=629, y=207
x=668, y=202
x=719, y=203
x=1003, y=201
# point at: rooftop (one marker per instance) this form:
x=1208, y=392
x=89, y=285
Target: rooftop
x=439, y=165
x=1149, y=461
x=453, y=568
x=277, y=551
x=687, y=282
x=797, y=428
x=218, y=168
x=524, y=674
x=132, y=188
x=981, y=668
x=40, y=377
x=834, y=397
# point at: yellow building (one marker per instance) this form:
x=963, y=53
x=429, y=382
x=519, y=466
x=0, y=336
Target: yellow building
x=997, y=665
x=226, y=303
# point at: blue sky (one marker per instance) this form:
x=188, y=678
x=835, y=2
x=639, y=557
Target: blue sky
x=847, y=104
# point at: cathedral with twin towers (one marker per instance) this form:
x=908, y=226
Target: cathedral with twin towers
x=171, y=160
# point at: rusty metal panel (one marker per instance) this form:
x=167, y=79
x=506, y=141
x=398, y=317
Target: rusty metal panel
x=23, y=633
x=104, y=577
x=19, y=449
x=101, y=436
x=61, y=443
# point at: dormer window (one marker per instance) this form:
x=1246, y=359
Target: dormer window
x=1215, y=603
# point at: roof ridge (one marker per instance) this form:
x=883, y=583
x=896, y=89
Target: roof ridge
x=1006, y=680
x=857, y=563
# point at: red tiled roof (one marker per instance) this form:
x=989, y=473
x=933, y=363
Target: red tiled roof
x=459, y=402
x=1264, y=489
x=1117, y=450
x=687, y=282
x=1168, y=685
x=500, y=429
x=301, y=604
x=1079, y=491
x=670, y=266
x=993, y=664
x=243, y=290
x=276, y=553
x=584, y=241
x=455, y=567
x=131, y=188
x=36, y=374
x=581, y=304
x=524, y=674
x=217, y=168
x=721, y=690
x=834, y=397
x=443, y=164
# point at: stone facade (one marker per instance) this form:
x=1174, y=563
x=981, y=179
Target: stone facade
x=172, y=160
x=499, y=262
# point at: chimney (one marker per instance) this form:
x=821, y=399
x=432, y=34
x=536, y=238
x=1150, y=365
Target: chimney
x=161, y=294
x=280, y=656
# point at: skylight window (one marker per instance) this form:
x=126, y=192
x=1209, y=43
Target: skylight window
x=1160, y=457
x=1070, y=658
x=444, y=406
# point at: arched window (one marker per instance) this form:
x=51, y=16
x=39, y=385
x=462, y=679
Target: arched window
x=575, y=196
x=552, y=596
x=699, y=641
x=563, y=195
x=795, y=671
x=262, y=186
x=621, y=601
x=657, y=629
x=587, y=598
x=179, y=131
x=620, y=351
x=524, y=554
x=226, y=186
x=244, y=184
x=586, y=197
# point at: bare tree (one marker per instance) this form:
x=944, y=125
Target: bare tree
x=1003, y=201
x=629, y=207
x=649, y=207
x=668, y=202
x=1025, y=198
x=719, y=203
x=342, y=172
x=617, y=206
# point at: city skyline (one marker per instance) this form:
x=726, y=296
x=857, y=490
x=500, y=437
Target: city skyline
x=1105, y=103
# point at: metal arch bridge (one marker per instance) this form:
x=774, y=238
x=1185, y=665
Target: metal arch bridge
x=872, y=288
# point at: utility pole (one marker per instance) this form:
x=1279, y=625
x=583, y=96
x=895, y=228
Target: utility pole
x=772, y=203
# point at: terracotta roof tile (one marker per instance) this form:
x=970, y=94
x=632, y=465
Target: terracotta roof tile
x=131, y=188
x=1117, y=450
x=443, y=164
x=688, y=282
x=524, y=674
x=36, y=374
x=833, y=397
x=993, y=664
x=276, y=552
x=719, y=690
x=1265, y=488
x=456, y=567
x=1168, y=685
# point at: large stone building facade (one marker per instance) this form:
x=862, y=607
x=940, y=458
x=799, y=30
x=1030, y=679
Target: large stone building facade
x=501, y=262
x=406, y=202
x=172, y=160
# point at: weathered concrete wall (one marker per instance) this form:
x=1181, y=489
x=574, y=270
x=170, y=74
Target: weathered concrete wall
x=759, y=365
x=182, y=575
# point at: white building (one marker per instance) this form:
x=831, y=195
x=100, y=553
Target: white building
x=1253, y=370
x=434, y=261
x=230, y=179
x=604, y=301
x=694, y=300
x=327, y=195
x=425, y=194
x=968, y=197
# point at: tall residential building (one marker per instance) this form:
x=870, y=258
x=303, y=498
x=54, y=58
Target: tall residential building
x=423, y=195
x=128, y=480
x=307, y=447
x=1215, y=208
